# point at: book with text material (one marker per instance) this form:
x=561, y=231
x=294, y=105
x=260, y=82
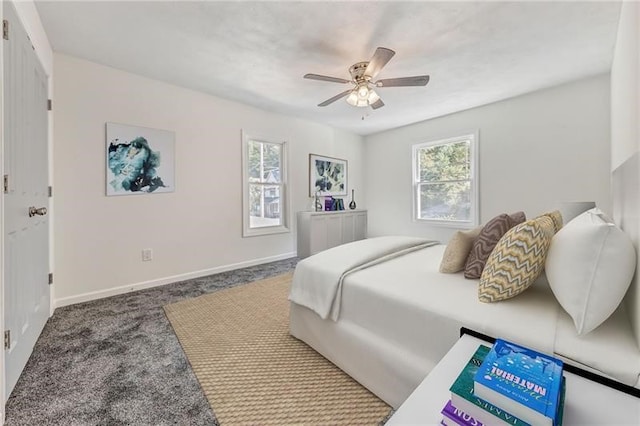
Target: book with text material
x=462, y=396
x=455, y=416
x=522, y=381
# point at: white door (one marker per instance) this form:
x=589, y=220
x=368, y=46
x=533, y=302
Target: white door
x=26, y=238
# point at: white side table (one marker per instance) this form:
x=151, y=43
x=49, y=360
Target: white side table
x=586, y=402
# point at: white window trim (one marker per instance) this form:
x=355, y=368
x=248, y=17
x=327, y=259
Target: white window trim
x=475, y=177
x=247, y=231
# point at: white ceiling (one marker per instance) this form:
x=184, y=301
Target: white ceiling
x=257, y=52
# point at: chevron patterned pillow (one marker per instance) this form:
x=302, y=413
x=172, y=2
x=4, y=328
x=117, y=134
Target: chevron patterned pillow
x=517, y=260
x=556, y=217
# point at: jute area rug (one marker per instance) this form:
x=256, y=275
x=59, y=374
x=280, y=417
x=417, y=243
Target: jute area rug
x=254, y=373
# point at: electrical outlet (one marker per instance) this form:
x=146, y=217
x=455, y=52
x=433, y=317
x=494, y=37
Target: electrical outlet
x=147, y=255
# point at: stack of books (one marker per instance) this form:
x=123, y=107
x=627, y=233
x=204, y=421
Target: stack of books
x=507, y=385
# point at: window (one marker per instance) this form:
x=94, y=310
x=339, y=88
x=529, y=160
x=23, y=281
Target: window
x=445, y=181
x=264, y=185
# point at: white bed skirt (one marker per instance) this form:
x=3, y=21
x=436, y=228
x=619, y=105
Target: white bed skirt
x=387, y=370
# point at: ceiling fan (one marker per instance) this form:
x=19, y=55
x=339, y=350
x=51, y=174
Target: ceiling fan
x=362, y=77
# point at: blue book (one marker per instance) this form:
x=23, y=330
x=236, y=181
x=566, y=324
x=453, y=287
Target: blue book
x=462, y=396
x=526, y=383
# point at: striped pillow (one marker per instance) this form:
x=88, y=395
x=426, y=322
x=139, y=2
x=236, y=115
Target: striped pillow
x=485, y=242
x=517, y=260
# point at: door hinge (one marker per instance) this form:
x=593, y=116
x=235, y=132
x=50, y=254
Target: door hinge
x=49, y=104
x=6, y=183
x=5, y=29
x=7, y=339
x=50, y=191
x=50, y=278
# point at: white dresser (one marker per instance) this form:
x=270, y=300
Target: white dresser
x=319, y=231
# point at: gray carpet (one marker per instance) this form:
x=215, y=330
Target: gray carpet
x=117, y=361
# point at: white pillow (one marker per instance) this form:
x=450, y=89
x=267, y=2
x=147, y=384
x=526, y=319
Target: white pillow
x=589, y=266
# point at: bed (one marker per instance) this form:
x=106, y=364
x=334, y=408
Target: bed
x=397, y=316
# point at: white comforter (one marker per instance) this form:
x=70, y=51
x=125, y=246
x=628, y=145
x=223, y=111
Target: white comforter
x=317, y=281
x=398, y=318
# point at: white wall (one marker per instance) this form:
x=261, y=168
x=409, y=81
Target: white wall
x=625, y=88
x=193, y=231
x=625, y=135
x=536, y=150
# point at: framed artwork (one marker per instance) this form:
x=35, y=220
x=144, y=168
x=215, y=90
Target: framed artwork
x=139, y=160
x=327, y=176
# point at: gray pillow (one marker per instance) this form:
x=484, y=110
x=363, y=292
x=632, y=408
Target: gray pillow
x=484, y=244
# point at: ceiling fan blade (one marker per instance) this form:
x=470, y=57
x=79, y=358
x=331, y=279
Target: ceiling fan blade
x=377, y=104
x=419, y=80
x=325, y=78
x=379, y=60
x=335, y=98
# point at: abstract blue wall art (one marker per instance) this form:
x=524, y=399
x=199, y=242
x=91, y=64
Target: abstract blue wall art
x=139, y=160
x=327, y=176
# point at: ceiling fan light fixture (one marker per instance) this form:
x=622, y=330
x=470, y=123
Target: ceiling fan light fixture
x=352, y=99
x=373, y=97
x=357, y=99
x=363, y=91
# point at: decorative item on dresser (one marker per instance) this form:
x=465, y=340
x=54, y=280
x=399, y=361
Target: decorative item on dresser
x=328, y=204
x=317, y=205
x=318, y=231
x=352, y=204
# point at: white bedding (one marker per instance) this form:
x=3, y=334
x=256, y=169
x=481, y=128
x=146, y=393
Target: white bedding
x=317, y=280
x=400, y=300
x=398, y=319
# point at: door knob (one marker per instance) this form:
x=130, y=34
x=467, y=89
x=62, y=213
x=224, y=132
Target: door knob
x=37, y=211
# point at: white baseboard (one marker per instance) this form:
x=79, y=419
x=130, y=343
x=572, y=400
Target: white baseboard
x=86, y=297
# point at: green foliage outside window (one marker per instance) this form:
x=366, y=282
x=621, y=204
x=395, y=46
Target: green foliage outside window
x=444, y=181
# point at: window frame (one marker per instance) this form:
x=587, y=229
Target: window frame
x=472, y=137
x=283, y=227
